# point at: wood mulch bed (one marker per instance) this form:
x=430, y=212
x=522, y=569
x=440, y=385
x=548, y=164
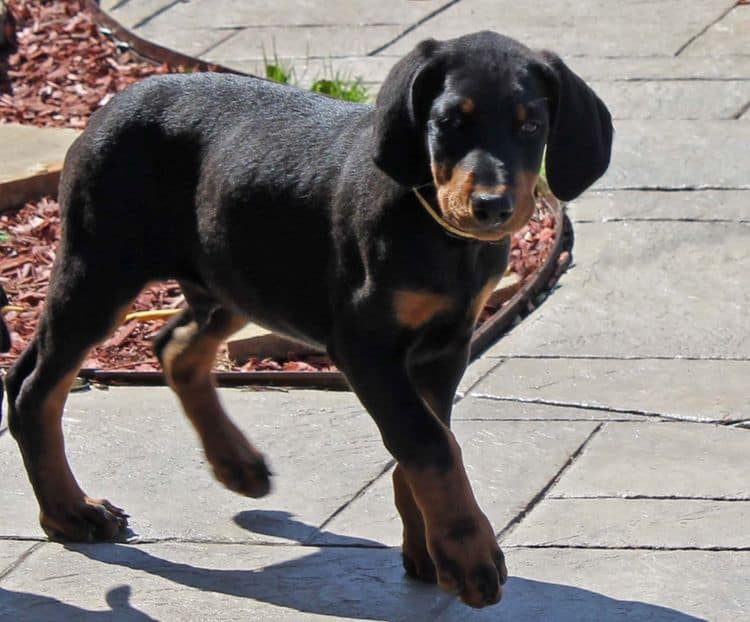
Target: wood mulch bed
x=63, y=70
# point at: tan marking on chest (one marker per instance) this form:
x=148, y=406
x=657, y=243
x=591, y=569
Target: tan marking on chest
x=481, y=298
x=415, y=308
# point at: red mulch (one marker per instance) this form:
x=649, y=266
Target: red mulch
x=63, y=71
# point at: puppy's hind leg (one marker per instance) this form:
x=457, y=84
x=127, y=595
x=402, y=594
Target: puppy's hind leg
x=38, y=385
x=187, y=347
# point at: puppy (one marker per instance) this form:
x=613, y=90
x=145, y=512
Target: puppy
x=389, y=226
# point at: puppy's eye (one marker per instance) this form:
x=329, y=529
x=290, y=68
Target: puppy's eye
x=449, y=120
x=529, y=128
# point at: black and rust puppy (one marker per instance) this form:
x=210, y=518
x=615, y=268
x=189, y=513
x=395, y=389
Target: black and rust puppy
x=198, y=177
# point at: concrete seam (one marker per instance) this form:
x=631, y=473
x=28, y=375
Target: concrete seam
x=156, y=13
x=664, y=418
x=518, y=519
x=466, y=393
x=414, y=26
x=598, y=357
x=213, y=46
x=705, y=29
x=346, y=504
x=21, y=559
x=741, y=111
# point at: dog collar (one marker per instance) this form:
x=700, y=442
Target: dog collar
x=446, y=225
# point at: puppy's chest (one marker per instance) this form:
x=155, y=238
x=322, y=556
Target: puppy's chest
x=451, y=292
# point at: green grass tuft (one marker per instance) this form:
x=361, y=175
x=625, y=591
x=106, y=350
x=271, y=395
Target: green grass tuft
x=341, y=88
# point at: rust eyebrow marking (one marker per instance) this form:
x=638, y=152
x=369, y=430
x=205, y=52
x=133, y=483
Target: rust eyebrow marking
x=521, y=113
x=415, y=308
x=468, y=105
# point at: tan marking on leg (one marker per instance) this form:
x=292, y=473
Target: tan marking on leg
x=459, y=538
x=415, y=308
x=65, y=512
x=468, y=106
x=187, y=359
x=417, y=561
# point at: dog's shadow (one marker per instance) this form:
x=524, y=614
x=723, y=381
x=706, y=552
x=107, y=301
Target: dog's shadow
x=349, y=577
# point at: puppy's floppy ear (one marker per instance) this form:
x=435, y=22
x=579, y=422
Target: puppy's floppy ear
x=580, y=138
x=401, y=113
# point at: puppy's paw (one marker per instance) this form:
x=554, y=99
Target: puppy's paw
x=469, y=561
x=417, y=562
x=84, y=520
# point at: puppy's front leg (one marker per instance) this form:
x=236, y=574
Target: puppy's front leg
x=459, y=538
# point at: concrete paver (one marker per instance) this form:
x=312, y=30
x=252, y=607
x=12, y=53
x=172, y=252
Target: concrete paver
x=189, y=581
x=569, y=585
x=133, y=446
x=639, y=523
x=728, y=35
x=675, y=154
x=496, y=455
x=29, y=150
x=656, y=289
x=596, y=28
x=665, y=460
x=673, y=99
x=704, y=205
x=711, y=391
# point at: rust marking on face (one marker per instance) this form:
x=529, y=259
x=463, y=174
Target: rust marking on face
x=416, y=308
x=523, y=201
x=468, y=105
x=454, y=196
x=521, y=113
x=481, y=298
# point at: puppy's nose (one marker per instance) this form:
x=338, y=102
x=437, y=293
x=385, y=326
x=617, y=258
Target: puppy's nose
x=491, y=208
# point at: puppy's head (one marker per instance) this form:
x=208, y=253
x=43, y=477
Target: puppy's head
x=473, y=116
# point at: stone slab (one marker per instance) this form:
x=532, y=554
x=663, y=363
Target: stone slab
x=134, y=447
x=29, y=151
x=508, y=463
x=705, y=205
x=674, y=99
x=291, y=42
x=598, y=28
x=647, y=290
x=131, y=13
x=730, y=35
x=645, y=523
x=619, y=586
x=307, y=13
x=193, y=42
x=711, y=391
x=661, y=460
x=653, y=154
x=634, y=68
x=215, y=582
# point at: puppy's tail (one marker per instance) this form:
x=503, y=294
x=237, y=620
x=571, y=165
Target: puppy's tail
x=4, y=342
x=4, y=334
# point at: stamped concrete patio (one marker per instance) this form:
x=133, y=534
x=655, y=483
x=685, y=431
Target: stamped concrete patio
x=607, y=436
